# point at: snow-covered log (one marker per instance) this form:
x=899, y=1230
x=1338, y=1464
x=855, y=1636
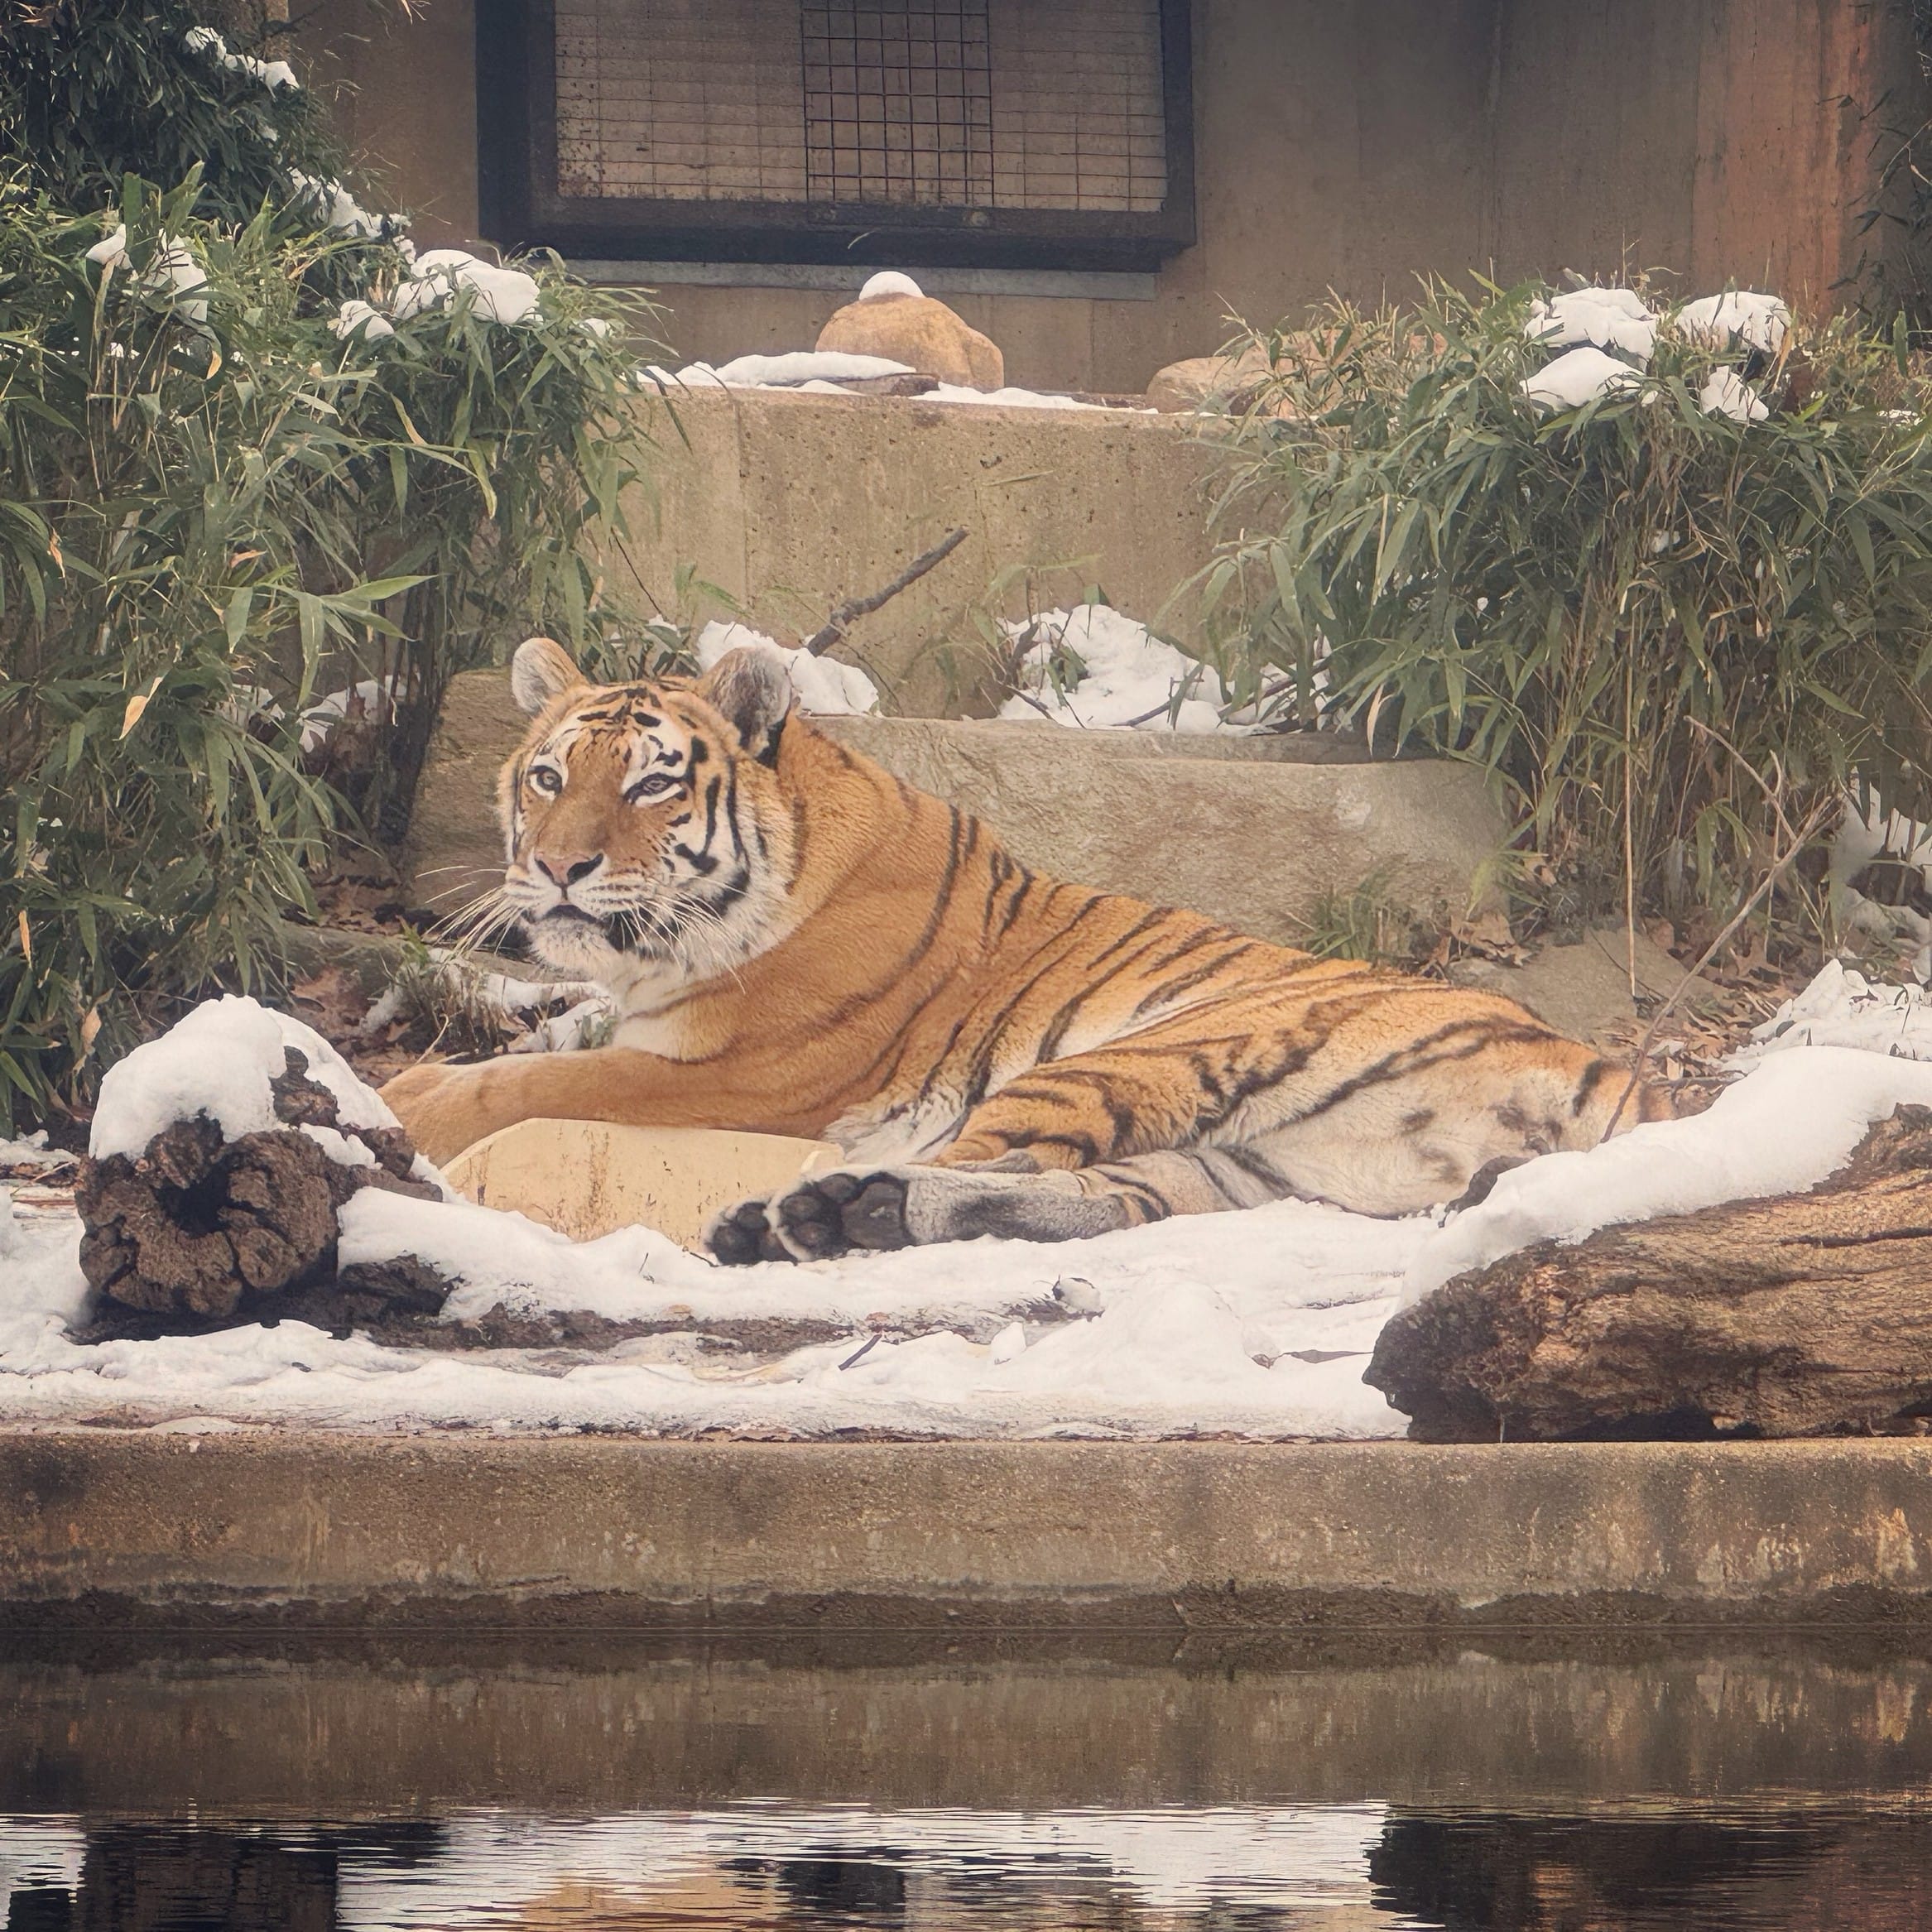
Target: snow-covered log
x=1800, y=1314
x=220, y=1155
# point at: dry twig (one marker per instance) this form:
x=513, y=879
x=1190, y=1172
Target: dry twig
x=855, y=607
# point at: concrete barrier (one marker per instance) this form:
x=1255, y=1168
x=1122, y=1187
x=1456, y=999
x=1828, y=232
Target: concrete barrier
x=1246, y=830
x=790, y=503
x=288, y=1528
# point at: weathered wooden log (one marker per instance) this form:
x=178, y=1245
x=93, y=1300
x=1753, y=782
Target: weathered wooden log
x=1805, y=1314
x=197, y=1232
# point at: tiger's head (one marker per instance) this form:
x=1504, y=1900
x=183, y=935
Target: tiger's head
x=645, y=826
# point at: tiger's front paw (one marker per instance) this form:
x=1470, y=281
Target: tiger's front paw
x=816, y=1220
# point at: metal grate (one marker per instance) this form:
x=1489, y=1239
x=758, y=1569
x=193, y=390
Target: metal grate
x=898, y=102
x=988, y=104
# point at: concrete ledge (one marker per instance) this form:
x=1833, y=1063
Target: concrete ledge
x=1250, y=831
x=294, y=1529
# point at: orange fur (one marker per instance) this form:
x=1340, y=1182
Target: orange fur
x=799, y=942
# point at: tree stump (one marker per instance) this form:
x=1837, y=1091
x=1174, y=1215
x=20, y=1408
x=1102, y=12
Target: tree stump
x=200, y=1232
x=1805, y=1314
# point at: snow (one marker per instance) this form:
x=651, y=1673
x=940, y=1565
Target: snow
x=1011, y=398
x=272, y=74
x=174, y=270
x=1150, y=1349
x=440, y=275
x=372, y=698
x=1797, y=1118
x=1843, y=1008
x=822, y=686
x=335, y=208
x=218, y=1061
x=890, y=282
x=1256, y=1323
x=821, y=372
x=1605, y=317
x=1129, y=678
x=1742, y=318
x=787, y=370
x=1582, y=375
x=358, y=319
x=1728, y=394
x=1867, y=832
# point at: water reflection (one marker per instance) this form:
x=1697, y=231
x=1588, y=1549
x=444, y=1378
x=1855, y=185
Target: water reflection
x=583, y=1789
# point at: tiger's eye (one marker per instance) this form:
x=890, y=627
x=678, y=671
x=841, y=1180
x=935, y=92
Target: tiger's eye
x=545, y=779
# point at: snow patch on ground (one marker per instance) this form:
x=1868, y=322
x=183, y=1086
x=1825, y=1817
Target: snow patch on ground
x=1843, y=1008
x=1256, y=1323
x=1093, y=667
x=822, y=686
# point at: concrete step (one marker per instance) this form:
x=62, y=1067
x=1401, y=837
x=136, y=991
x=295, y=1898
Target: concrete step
x=1248, y=831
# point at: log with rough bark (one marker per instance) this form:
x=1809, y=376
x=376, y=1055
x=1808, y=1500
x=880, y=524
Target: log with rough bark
x=199, y=1232
x=1806, y=1314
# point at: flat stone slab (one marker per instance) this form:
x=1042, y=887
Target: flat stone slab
x=294, y=1528
x=1253, y=832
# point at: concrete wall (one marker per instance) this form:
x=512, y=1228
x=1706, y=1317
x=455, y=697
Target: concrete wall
x=1345, y=144
x=789, y=504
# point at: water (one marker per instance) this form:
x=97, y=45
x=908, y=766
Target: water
x=934, y=1785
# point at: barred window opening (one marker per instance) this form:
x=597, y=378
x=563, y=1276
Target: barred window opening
x=1020, y=104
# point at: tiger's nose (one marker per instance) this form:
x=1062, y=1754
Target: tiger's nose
x=563, y=869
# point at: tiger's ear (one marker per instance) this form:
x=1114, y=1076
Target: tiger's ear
x=752, y=690
x=541, y=671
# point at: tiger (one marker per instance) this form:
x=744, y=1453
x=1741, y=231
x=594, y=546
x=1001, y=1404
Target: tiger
x=797, y=942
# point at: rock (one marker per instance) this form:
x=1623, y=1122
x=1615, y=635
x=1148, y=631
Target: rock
x=921, y=333
x=1583, y=988
x=587, y=1178
x=1227, y=384
x=1247, y=830
x=199, y=1232
x=1802, y=1316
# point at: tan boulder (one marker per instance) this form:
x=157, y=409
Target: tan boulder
x=920, y=332
x=1221, y=383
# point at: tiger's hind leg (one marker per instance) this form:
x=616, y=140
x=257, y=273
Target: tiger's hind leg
x=831, y=1214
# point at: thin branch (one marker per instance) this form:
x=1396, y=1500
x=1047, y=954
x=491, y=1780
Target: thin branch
x=1802, y=837
x=849, y=612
